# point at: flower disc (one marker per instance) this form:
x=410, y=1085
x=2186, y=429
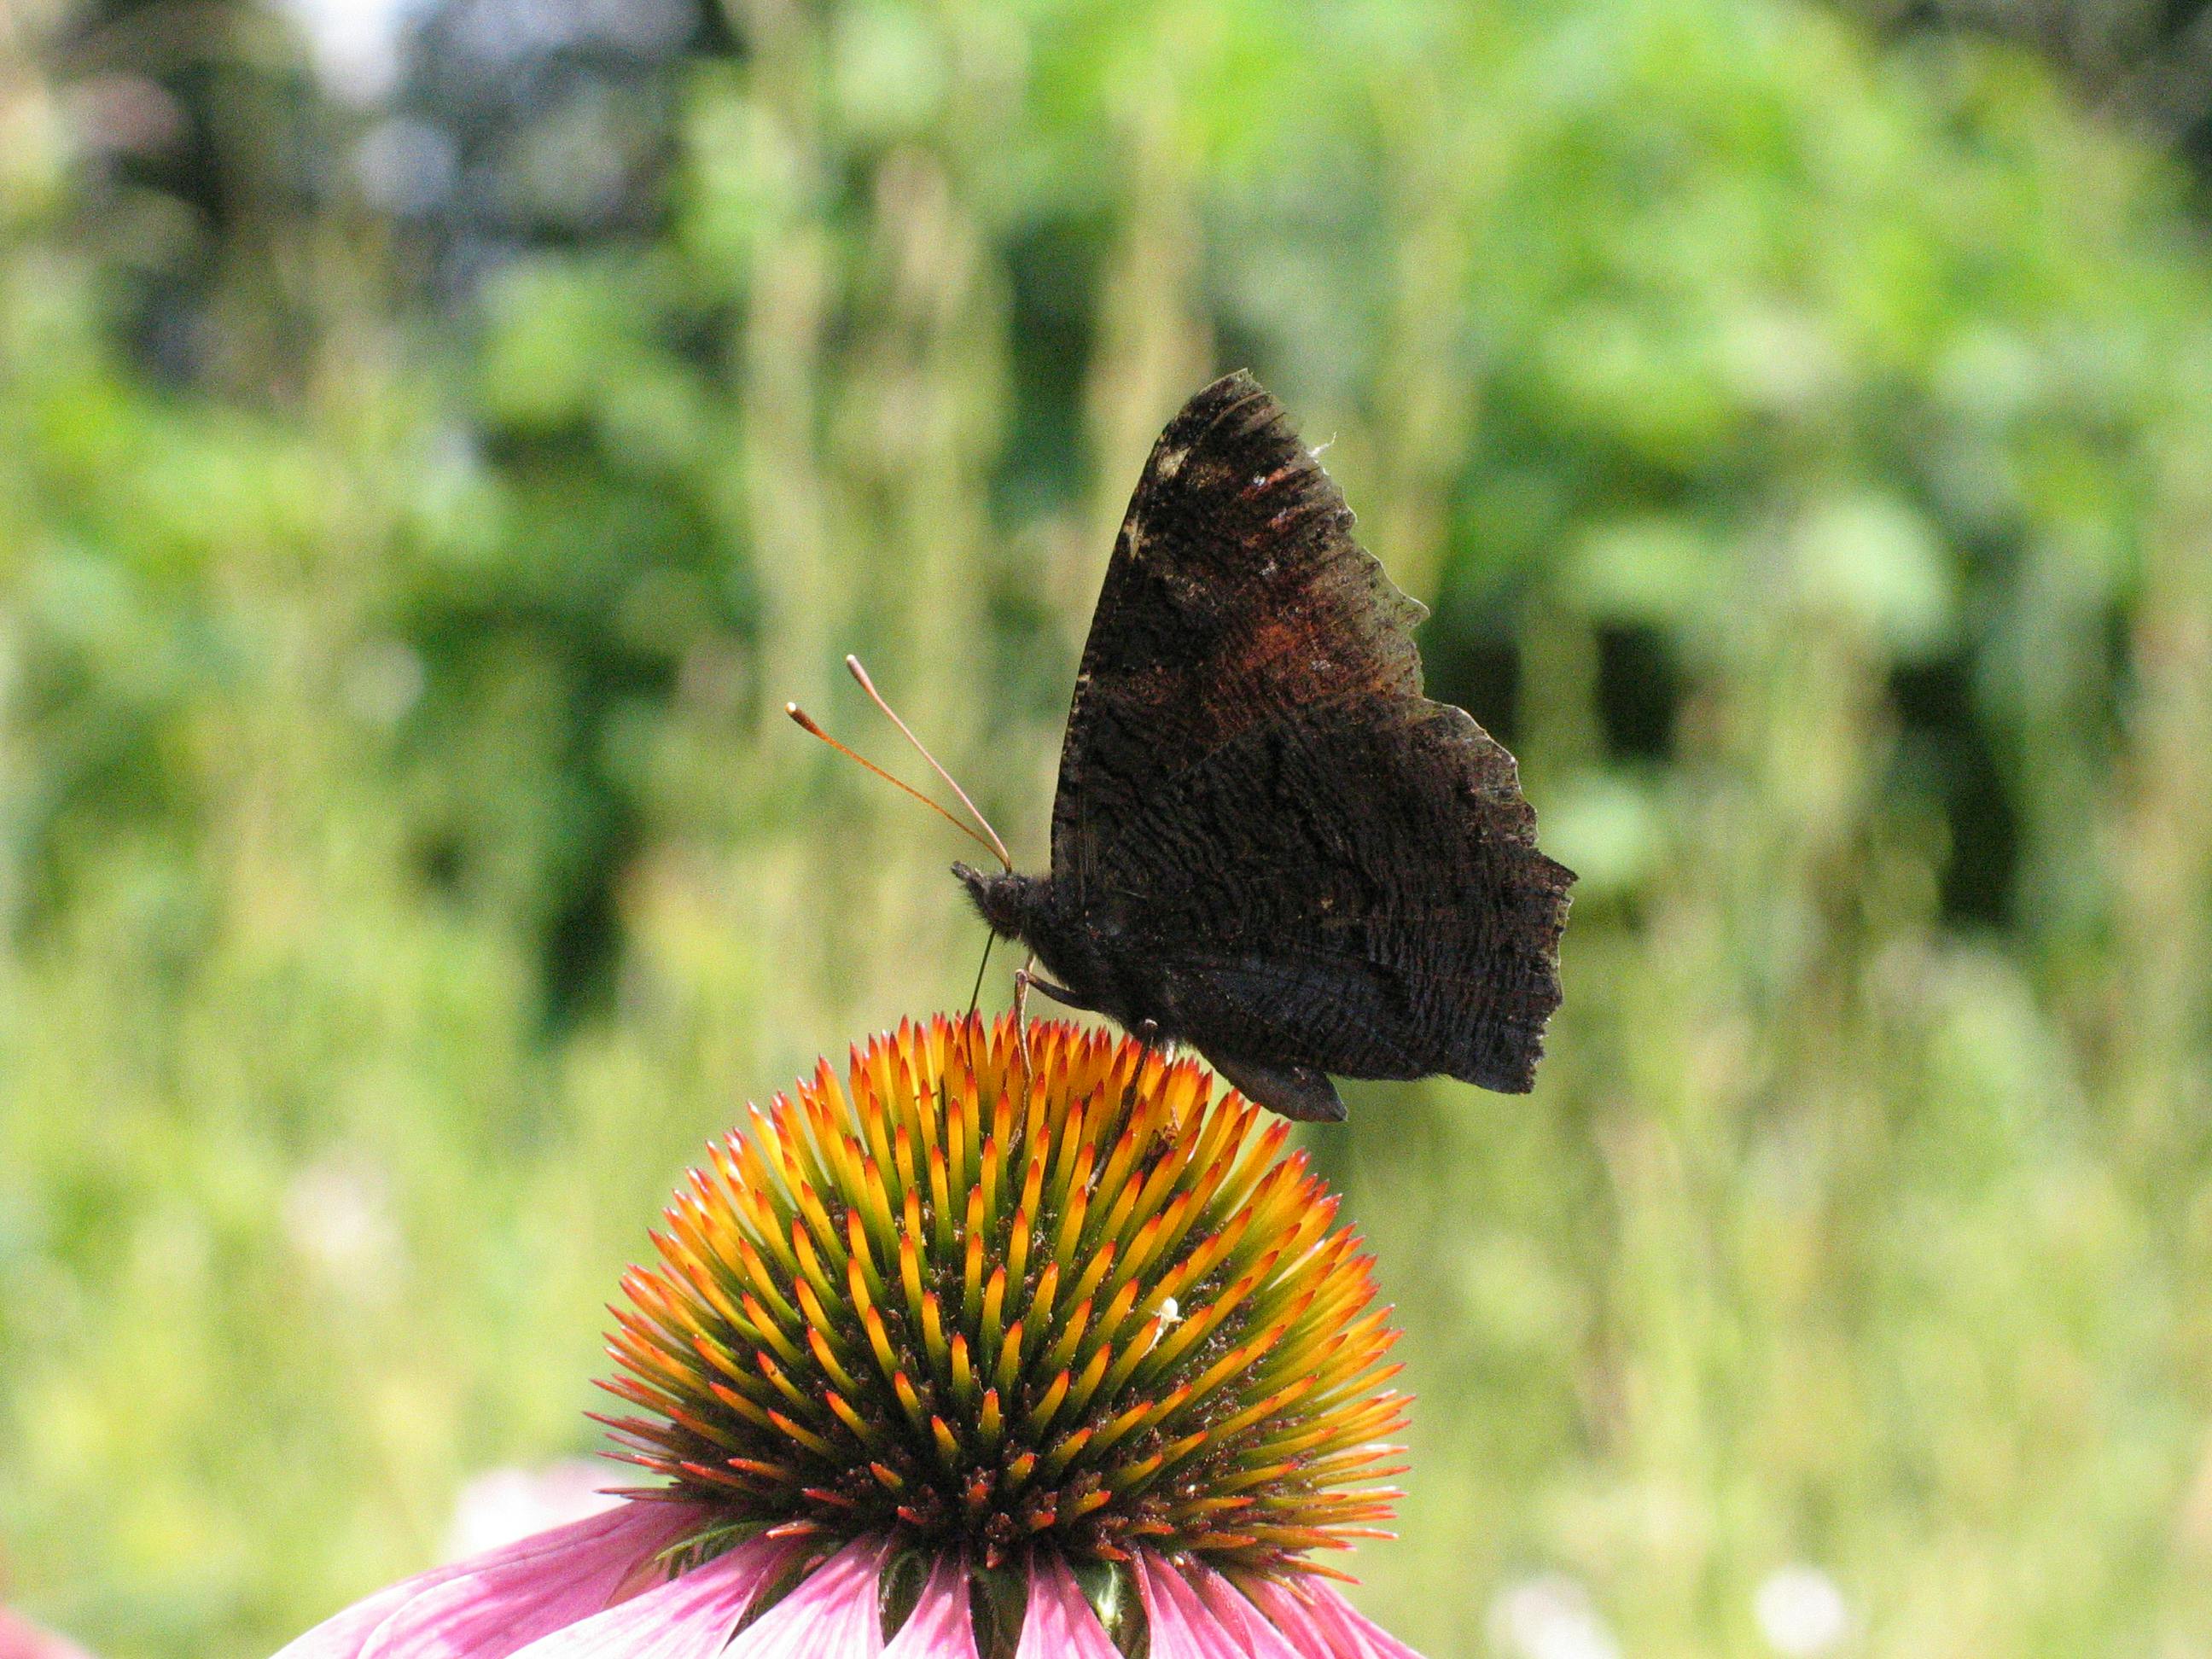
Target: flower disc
x=971, y=1300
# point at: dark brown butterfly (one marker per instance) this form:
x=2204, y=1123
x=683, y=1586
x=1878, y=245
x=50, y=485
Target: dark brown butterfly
x=1266, y=842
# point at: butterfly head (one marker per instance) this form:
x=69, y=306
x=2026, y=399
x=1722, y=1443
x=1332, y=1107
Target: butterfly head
x=1009, y=902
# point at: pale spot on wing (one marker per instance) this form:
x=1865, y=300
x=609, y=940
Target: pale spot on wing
x=1170, y=462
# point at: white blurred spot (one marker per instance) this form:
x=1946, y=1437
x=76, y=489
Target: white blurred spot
x=501, y=1505
x=1170, y=1310
x=355, y=42
x=384, y=681
x=406, y=167
x=1801, y=1612
x=338, y=1214
x=1550, y=1616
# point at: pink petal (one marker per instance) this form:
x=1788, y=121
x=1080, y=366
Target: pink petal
x=1246, y=1625
x=341, y=1635
x=942, y=1625
x=687, y=1618
x=22, y=1639
x=603, y=1547
x=1058, y=1622
x=1319, y=1621
x=1183, y=1626
x=834, y=1615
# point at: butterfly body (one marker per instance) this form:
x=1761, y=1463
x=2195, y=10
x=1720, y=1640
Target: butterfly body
x=1266, y=842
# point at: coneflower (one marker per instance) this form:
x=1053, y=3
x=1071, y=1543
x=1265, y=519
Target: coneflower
x=970, y=1352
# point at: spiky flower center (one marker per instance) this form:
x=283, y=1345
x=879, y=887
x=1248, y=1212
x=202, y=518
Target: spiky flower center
x=981, y=1301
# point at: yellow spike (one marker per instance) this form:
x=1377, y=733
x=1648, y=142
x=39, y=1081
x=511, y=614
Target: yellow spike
x=827, y=1357
x=903, y=1159
x=1131, y=1352
x=957, y=1143
x=1068, y=1449
x=910, y=1274
x=963, y=1373
x=876, y=1203
x=860, y=1430
x=1002, y=1116
x=1041, y=1299
x=971, y=1273
x=790, y=1390
x=1073, y=1139
x=948, y=1448
x=1063, y=1347
x=987, y=1183
x=1114, y=1178
x=940, y=1196
x=818, y=1220
x=1237, y=1422
x=765, y=1283
x=909, y=1401
x=751, y=1411
x=1094, y=1373
x=933, y=1335
x=772, y=1334
x=1041, y=1415
x=1116, y=1224
x=879, y=1342
x=864, y=1283
x=1117, y=1312
x=1069, y=1234
x=1017, y=1247
x=811, y=1277
x=1130, y=1477
x=994, y=1304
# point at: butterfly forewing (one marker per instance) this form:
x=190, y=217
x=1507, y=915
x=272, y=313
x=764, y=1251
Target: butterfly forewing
x=1235, y=592
x=1323, y=868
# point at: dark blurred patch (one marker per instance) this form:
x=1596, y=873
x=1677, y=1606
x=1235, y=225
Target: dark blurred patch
x=1640, y=691
x=201, y=125
x=530, y=125
x=2148, y=61
x=1475, y=664
x=1051, y=272
x=1947, y=751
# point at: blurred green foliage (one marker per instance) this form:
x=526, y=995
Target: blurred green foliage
x=1806, y=444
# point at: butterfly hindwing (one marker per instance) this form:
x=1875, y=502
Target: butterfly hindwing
x=1352, y=886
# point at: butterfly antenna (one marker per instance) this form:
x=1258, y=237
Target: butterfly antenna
x=806, y=723
x=852, y=666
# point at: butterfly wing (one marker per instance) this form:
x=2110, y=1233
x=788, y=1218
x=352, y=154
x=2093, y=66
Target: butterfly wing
x=1235, y=592
x=1324, y=870
x=1350, y=886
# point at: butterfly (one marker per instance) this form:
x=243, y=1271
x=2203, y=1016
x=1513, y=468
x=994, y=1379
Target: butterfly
x=1267, y=844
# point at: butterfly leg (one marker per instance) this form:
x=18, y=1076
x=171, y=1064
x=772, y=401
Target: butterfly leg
x=1024, y=976
x=1059, y=993
x=1146, y=1031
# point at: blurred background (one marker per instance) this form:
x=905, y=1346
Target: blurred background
x=436, y=436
